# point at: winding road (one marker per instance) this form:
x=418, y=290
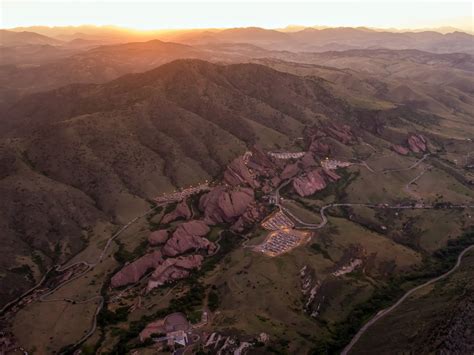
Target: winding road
x=324, y=221
x=383, y=313
x=89, y=267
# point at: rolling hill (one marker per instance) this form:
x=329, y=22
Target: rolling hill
x=85, y=154
x=9, y=38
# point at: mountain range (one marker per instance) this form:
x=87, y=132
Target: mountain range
x=95, y=124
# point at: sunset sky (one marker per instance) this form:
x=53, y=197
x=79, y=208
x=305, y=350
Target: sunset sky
x=226, y=13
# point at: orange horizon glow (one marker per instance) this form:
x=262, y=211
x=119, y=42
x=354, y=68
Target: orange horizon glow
x=163, y=16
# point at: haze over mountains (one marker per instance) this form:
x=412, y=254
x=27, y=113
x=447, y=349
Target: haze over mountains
x=97, y=122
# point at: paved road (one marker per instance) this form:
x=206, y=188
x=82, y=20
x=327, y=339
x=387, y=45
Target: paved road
x=383, y=313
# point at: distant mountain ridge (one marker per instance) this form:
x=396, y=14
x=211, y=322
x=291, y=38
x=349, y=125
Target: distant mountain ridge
x=12, y=38
x=299, y=39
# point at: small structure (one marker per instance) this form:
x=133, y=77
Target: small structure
x=286, y=155
x=173, y=329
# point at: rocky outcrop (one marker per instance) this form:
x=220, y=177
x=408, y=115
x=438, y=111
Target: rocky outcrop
x=310, y=287
x=335, y=130
x=417, y=143
x=182, y=210
x=254, y=213
x=339, y=132
x=400, y=149
x=330, y=175
x=261, y=164
x=225, y=205
x=291, y=170
x=237, y=173
x=134, y=271
x=319, y=148
x=308, y=161
x=188, y=236
x=313, y=181
x=158, y=237
x=174, y=269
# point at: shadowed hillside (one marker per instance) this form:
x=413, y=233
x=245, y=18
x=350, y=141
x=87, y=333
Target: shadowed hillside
x=88, y=153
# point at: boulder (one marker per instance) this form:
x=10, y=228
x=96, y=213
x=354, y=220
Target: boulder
x=237, y=173
x=309, y=183
x=417, y=143
x=260, y=163
x=400, y=149
x=313, y=181
x=290, y=171
x=308, y=161
x=319, y=148
x=275, y=181
x=157, y=327
x=338, y=131
x=182, y=210
x=254, y=213
x=134, y=271
x=174, y=269
x=188, y=236
x=158, y=237
x=225, y=205
x=330, y=175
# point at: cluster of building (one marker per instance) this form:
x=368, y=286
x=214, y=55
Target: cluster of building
x=174, y=331
x=280, y=242
x=286, y=155
x=330, y=164
x=182, y=194
x=277, y=221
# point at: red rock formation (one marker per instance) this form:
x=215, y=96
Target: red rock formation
x=336, y=130
x=188, y=236
x=309, y=183
x=261, y=164
x=223, y=205
x=400, y=149
x=417, y=143
x=313, y=181
x=182, y=210
x=275, y=181
x=238, y=173
x=156, y=327
x=290, y=171
x=174, y=269
x=158, y=237
x=308, y=160
x=331, y=175
x=319, y=148
x=340, y=132
x=254, y=213
x=134, y=271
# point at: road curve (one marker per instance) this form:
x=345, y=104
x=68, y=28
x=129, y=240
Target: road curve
x=383, y=313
